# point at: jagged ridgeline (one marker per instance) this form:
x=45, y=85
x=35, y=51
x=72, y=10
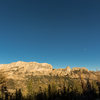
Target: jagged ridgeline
x=32, y=78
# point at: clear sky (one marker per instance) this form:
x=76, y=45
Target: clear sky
x=58, y=32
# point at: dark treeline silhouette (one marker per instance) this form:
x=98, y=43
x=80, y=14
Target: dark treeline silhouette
x=65, y=93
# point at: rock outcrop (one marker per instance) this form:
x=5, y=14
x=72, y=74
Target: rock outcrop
x=68, y=69
x=13, y=70
x=19, y=70
x=79, y=69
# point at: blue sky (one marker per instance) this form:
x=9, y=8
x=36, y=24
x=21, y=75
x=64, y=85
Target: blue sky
x=58, y=32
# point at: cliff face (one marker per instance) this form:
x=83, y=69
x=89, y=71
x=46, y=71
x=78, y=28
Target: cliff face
x=19, y=70
x=27, y=66
x=13, y=70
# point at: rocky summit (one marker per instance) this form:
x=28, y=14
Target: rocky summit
x=19, y=70
x=16, y=69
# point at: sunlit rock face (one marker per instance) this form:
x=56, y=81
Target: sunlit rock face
x=19, y=70
x=68, y=69
x=25, y=68
x=61, y=71
x=79, y=69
